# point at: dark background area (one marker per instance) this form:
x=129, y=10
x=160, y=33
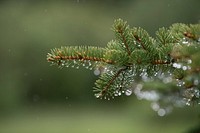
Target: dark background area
x=37, y=97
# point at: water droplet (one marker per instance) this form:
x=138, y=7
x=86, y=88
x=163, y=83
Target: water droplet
x=177, y=65
x=97, y=72
x=188, y=102
x=161, y=112
x=97, y=95
x=89, y=63
x=189, y=61
x=155, y=106
x=180, y=83
x=184, y=68
x=156, y=74
x=128, y=92
x=185, y=41
x=115, y=94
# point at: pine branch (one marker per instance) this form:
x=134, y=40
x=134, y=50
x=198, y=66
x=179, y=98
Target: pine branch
x=135, y=59
x=77, y=55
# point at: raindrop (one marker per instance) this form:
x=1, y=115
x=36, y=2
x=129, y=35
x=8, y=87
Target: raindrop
x=177, y=65
x=128, y=92
x=97, y=72
x=185, y=41
x=197, y=93
x=189, y=61
x=156, y=74
x=184, y=68
x=188, y=102
x=97, y=95
x=84, y=63
x=161, y=112
x=89, y=63
x=155, y=106
x=116, y=94
x=180, y=83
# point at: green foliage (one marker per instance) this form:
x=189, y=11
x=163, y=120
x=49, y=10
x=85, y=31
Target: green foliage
x=133, y=61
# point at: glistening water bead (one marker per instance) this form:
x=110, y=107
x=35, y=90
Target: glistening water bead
x=128, y=92
x=97, y=72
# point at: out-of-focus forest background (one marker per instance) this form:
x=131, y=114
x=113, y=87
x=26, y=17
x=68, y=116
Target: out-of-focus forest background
x=38, y=98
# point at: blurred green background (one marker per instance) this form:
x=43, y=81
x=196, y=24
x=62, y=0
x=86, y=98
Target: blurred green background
x=38, y=98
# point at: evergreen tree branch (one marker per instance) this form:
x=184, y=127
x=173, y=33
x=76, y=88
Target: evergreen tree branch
x=78, y=55
x=171, y=58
